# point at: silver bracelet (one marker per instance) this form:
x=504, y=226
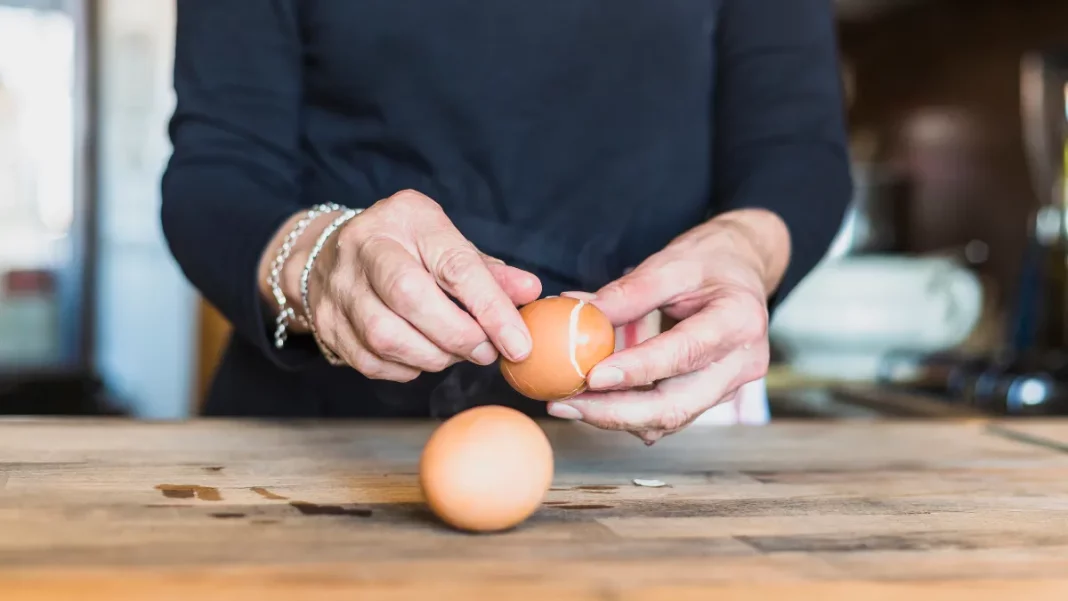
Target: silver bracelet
x=274, y=278
x=336, y=224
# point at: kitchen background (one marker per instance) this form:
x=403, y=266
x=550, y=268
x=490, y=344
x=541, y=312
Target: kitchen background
x=942, y=293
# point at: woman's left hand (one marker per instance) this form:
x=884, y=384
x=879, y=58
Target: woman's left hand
x=715, y=279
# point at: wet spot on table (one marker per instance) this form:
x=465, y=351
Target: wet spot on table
x=334, y=510
x=189, y=491
x=227, y=516
x=266, y=494
x=214, y=468
x=585, y=507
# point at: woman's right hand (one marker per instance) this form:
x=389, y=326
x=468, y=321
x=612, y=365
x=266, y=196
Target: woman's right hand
x=379, y=292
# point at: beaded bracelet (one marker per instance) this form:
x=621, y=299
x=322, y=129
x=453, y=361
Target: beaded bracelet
x=274, y=278
x=336, y=224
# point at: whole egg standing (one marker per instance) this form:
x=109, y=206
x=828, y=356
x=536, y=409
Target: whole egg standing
x=486, y=469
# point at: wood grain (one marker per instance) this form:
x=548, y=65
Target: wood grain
x=303, y=510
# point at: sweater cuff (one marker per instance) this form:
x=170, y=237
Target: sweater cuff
x=218, y=244
x=811, y=233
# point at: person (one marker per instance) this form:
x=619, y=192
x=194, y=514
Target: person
x=686, y=157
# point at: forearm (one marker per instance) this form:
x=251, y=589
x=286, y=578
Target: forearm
x=217, y=235
x=780, y=130
x=234, y=177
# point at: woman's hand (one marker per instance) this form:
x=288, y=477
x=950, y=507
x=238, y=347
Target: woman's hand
x=380, y=292
x=715, y=280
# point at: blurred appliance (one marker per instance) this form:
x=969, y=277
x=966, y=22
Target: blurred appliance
x=848, y=315
x=1040, y=320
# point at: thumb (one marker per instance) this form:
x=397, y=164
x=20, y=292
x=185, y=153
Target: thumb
x=633, y=296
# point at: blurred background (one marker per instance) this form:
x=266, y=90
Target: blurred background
x=944, y=292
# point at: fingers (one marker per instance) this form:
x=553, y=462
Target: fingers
x=338, y=335
x=404, y=286
x=648, y=287
x=632, y=410
x=691, y=345
x=459, y=269
x=669, y=407
x=391, y=338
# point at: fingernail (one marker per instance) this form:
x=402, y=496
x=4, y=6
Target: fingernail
x=606, y=377
x=564, y=411
x=484, y=354
x=586, y=296
x=516, y=344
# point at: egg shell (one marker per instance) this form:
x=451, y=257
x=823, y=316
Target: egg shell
x=486, y=469
x=570, y=336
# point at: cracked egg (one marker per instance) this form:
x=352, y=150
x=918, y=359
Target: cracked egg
x=570, y=336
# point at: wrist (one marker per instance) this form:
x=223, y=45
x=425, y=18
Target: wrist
x=294, y=267
x=761, y=239
x=292, y=262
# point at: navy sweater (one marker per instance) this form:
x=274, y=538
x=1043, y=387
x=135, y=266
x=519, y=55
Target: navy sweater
x=571, y=138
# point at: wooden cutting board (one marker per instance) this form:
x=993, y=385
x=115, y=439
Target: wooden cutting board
x=243, y=510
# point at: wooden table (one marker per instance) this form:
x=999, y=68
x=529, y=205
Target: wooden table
x=937, y=510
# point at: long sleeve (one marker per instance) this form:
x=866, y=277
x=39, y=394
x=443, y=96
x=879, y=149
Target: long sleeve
x=233, y=177
x=781, y=140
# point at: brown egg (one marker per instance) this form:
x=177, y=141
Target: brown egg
x=486, y=469
x=570, y=337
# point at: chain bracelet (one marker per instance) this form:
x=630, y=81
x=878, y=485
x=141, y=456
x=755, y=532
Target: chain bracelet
x=274, y=278
x=336, y=224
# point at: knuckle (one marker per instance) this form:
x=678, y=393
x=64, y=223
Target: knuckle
x=439, y=363
x=752, y=322
x=641, y=283
x=366, y=365
x=412, y=199
x=464, y=340
x=375, y=373
x=611, y=421
x=340, y=283
x=357, y=231
x=680, y=273
x=672, y=419
x=755, y=327
x=615, y=417
x=381, y=336
x=625, y=288
x=405, y=376
x=405, y=286
x=455, y=266
x=691, y=354
x=759, y=365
